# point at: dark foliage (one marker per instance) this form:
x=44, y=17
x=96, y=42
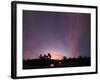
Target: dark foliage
x=45, y=61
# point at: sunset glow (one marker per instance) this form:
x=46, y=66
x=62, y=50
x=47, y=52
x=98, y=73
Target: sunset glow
x=58, y=33
x=54, y=54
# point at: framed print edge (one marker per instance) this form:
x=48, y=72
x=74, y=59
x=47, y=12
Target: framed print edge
x=96, y=39
x=14, y=39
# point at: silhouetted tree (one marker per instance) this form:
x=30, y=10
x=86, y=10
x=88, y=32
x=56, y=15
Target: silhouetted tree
x=49, y=56
x=64, y=58
x=45, y=56
x=80, y=57
x=40, y=57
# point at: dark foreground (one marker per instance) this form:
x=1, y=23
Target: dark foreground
x=51, y=63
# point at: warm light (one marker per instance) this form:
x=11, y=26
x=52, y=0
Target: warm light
x=54, y=54
x=51, y=65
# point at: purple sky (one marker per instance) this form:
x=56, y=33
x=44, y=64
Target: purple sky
x=58, y=33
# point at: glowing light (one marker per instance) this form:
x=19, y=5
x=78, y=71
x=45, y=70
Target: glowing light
x=54, y=54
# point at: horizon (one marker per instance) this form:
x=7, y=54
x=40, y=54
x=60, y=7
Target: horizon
x=58, y=33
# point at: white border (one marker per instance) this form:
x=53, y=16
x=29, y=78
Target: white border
x=36, y=72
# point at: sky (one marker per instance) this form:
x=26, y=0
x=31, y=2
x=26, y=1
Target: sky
x=58, y=33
